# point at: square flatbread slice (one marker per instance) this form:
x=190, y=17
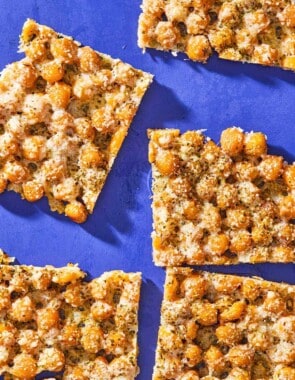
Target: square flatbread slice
x=258, y=31
x=220, y=205
x=65, y=110
x=216, y=326
x=52, y=320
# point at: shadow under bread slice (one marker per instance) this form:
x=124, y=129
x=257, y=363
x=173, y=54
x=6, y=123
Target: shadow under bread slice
x=65, y=110
x=220, y=204
x=216, y=326
x=53, y=320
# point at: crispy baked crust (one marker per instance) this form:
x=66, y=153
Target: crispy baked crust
x=220, y=205
x=52, y=320
x=64, y=113
x=256, y=31
x=216, y=326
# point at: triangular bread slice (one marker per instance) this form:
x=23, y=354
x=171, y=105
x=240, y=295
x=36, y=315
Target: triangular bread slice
x=65, y=110
x=220, y=204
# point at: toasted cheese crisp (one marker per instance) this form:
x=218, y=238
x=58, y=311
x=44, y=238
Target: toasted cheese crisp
x=256, y=31
x=52, y=320
x=216, y=326
x=65, y=110
x=220, y=205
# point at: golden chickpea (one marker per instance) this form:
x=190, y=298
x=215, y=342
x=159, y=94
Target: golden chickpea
x=284, y=373
x=210, y=151
x=196, y=23
x=288, y=15
x=36, y=50
x=92, y=338
x=221, y=38
x=54, y=169
x=227, y=196
x=76, y=211
x=228, y=334
x=190, y=375
x=287, y=207
x=206, y=187
x=70, y=274
x=194, y=138
x=24, y=367
x=167, y=34
x=52, y=71
x=234, y=312
x=218, y=243
x=4, y=298
x=84, y=128
x=289, y=176
x=171, y=289
x=70, y=335
x=250, y=289
x=51, y=359
x=74, y=295
x=206, y=314
x=281, y=252
x=28, y=340
x=76, y=373
x=169, y=340
x=167, y=162
x=30, y=31
x=91, y=157
x=232, y=141
x=29, y=75
x=238, y=374
x=265, y=54
x=193, y=355
x=214, y=358
x=15, y=172
x=191, y=329
x=115, y=342
x=271, y=167
x=238, y=218
x=8, y=334
x=255, y=144
x=240, y=241
x=191, y=210
x=198, y=48
x=47, y=318
x=227, y=285
x=90, y=61
x=33, y=191
x=64, y=49
x=22, y=309
x=9, y=145
x=194, y=286
x=101, y=310
x=34, y=148
x=274, y=303
x=66, y=191
x=4, y=356
x=3, y=183
x=211, y=219
x=59, y=94
x=245, y=171
x=289, y=62
x=103, y=121
x=261, y=235
x=241, y=355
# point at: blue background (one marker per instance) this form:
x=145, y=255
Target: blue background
x=184, y=95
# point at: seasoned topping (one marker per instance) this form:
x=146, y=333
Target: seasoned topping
x=220, y=205
x=216, y=326
x=64, y=113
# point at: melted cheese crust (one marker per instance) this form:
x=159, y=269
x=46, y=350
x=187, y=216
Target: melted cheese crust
x=216, y=326
x=254, y=31
x=52, y=320
x=64, y=113
x=220, y=205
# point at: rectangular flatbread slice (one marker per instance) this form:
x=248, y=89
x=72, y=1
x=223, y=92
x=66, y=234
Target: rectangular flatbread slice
x=65, y=110
x=216, y=326
x=52, y=320
x=220, y=204
x=254, y=31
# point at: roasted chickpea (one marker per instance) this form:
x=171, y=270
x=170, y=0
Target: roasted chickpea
x=52, y=71
x=289, y=176
x=234, y=312
x=287, y=207
x=245, y=171
x=196, y=23
x=28, y=340
x=47, y=318
x=67, y=190
x=91, y=156
x=171, y=289
x=169, y=340
x=198, y=48
x=218, y=243
x=193, y=354
x=4, y=298
x=206, y=187
x=101, y=310
x=76, y=373
x=70, y=335
x=265, y=54
x=64, y=49
x=84, y=128
x=241, y=355
x=24, y=366
x=194, y=138
x=221, y=38
x=9, y=145
x=90, y=61
x=167, y=34
x=194, y=286
x=54, y=169
x=250, y=289
x=15, y=172
x=255, y=144
x=227, y=285
x=92, y=338
x=190, y=375
x=191, y=210
x=288, y=15
x=238, y=374
x=232, y=141
x=240, y=241
x=228, y=334
x=274, y=303
x=214, y=358
x=33, y=191
x=29, y=75
x=238, y=218
x=51, y=359
x=284, y=373
x=227, y=196
x=74, y=295
x=103, y=120
x=271, y=167
x=206, y=314
x=29, y=31
x=60, y=94
x=167, y=162
x=34, y=148
x=36, y=50
x=191, y=329
x=22, y=309
x=76, y=211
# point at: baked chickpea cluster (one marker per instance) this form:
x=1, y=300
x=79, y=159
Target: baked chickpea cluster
x=225, y=327
x=220, y=204
x=52, y=320
x=258, y=31
x=64, y=113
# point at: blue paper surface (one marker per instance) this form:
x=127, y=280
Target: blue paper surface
x=184, y=95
